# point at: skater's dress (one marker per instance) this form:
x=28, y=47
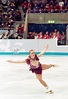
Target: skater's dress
x=35, y=69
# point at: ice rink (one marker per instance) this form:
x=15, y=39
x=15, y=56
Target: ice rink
x=17, y=82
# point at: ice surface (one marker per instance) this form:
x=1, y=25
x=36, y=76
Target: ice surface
x=17, y=82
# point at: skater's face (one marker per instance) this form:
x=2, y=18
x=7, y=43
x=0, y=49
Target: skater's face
x=32, y=54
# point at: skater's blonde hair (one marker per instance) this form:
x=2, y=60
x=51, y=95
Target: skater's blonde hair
x=31, y=50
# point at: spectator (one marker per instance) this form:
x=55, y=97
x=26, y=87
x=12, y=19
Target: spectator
x=25, y=7
x=50, y=35
x=47, y=35
x=0, y=16
x=58, y=36
x=5, y=18
x=20, y=30
x=8, y=34
x=18, y=15
x=40, y=36
x=1, y=7
x=65, y=3
x=3, y=25
x=29, y=36
x=55, y=31
x=10, y=23
x=2, y=36
x=63, y=38
x=54, y=35
x=61, y=3
x=11, y=36
x=36, y=36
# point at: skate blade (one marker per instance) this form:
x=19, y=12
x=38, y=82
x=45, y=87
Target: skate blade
x=50, y=92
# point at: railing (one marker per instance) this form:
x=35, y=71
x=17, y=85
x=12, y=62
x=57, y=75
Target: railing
x=26, y=25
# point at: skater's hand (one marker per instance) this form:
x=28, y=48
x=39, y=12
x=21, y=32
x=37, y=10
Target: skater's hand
x=42, y=52
x=10, y=61
x=46, y=47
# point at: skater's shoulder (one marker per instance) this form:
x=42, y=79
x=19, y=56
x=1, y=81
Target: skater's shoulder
x=27, y=60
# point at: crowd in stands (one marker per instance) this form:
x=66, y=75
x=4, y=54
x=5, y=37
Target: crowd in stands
x=20, y=31
x=10, y=11
x=11, y=34
x=5, y=34
x=61, y=37
x=48, y=6
x=9, y=14
x=6, y=21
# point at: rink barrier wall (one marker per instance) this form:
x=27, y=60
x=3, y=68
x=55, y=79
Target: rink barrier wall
x=9, y=47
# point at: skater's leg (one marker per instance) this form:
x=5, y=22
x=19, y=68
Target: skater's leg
x=45, y=66
x=39, y=77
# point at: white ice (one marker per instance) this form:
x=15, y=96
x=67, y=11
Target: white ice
x=17, y=82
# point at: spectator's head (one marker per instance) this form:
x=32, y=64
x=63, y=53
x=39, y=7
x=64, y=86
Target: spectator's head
x=50, y=34
x=34, y=10
x=46, y=32
x=55, y=30
x=63, y=33
x=25, y=1
x=6, y=16
x=10, y=13
x=58, y=32
x=40, y=33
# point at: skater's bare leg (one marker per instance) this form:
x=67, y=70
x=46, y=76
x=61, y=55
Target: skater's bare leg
x=45, y=66
x=39, y=77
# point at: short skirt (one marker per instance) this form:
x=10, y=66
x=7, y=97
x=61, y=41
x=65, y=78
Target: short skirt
x=37, y=70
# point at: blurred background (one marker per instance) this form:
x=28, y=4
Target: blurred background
x=34, y=19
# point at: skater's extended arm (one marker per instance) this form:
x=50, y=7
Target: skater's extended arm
x=10, y=61
x=42, y=52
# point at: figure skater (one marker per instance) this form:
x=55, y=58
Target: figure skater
x=36, y=67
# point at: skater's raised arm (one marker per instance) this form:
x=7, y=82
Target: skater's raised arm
x=42, y=52
x=10, y=61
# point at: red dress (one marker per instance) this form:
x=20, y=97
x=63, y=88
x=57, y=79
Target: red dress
x=32, y=67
